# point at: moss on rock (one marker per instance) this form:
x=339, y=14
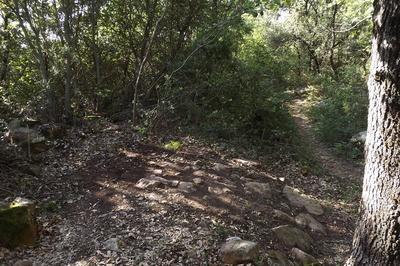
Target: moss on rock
x=18, y=225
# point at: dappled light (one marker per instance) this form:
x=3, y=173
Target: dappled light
x=199, y=132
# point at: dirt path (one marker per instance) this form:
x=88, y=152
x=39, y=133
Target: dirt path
x=324, y=155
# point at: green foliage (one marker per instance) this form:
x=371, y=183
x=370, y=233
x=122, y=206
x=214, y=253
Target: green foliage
x=173, y=145
x=340, y=109
x=223, y=67
x=242, y=88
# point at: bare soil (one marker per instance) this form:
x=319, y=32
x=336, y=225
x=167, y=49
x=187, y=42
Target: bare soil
x=86, y=195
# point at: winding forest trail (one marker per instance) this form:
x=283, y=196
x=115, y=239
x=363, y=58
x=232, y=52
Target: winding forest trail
x=109, y=196
x=324, y=155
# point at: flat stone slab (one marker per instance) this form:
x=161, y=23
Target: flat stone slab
x=300, y=200
x=199, y=173
x=262, y=189
x=237, y=251
x=151, y=182
x=198, y=181
x=186, y=187
x=278, y=258
x=293, y=237
x=306, y=220
x=303, y=257
x=283, y=216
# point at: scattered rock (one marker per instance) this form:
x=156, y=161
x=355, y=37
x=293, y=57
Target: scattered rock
x=263, y=189
x=23, y=263
x=24, y=135
x=84, y=263
x=278, y=258
x=293, y=237
x=235, y=176
x=112, y=244
x=306, y=220
x=280, y=215
x=157, y=171
x=219, y=167
x=53, y=131
x=199, y=173
x=219, y=190
x=303, y=257
x=236, y=251
x=174, y=183
x=150, y=182
x=300, y=200
x=245, y=162
x=27, y=138
x=187, y=168
x=186, y=187
x=18, y=225
x=170, y=172
x=198, y=181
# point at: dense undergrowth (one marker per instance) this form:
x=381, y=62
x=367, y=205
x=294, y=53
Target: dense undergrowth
x=226, y=70
x=339, y=111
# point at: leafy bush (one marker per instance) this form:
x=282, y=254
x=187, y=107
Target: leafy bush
x=240, y=91
x=173, y=145
x=340, y=109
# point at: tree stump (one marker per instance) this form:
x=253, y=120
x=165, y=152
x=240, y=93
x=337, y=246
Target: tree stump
x=18, y=226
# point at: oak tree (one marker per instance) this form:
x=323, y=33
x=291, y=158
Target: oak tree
x=377, y=237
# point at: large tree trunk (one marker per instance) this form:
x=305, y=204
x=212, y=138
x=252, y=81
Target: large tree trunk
x=377, y=237
x=68, y=9
x=94, y=16
x=5, y=53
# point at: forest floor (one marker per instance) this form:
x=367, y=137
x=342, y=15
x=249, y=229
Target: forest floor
x=330, y=162
x=92, y=211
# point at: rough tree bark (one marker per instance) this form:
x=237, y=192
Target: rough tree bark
x=5, y=53
x=377, y=237
x=67, y=7
x=94, y=16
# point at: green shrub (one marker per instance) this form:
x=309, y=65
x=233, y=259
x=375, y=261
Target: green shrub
x=340, y=109
x=173, y=145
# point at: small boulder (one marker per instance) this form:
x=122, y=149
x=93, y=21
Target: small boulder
x=22, y=135
x=85, y=263
x=198, y=181
x=157, y=171
x=219, y=167
x=304, y=258
x=293, y=237
x=278, y=258
x=53, y=131
x=112, y=244
x=23, y=263
x=219, y=190
x=186, y=187
x=306, y=220
x=280, y=215
x=236, y=251
x=262, y=189
x=18, y=226
x=199, y=173
x=300, y=200
x=151, y=182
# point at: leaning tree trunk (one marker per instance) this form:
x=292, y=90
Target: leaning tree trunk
x=377, y=237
